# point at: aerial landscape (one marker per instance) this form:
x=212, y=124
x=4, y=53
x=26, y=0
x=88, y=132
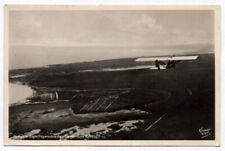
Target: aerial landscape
x=112, y=104
x=123, y=75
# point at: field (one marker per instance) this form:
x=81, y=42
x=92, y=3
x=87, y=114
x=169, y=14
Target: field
x=171, y=104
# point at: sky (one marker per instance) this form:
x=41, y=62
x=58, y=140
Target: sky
x=38, y=38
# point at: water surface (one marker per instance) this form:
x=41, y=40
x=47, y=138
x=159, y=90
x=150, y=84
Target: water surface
x=18, y=92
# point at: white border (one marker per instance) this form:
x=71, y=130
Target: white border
x=211, y=2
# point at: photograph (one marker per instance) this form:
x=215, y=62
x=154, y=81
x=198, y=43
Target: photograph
x=112, y=75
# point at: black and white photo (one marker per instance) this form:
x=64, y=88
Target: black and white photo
x=130, y=75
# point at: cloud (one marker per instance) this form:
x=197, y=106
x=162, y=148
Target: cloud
x=104, y=29
x=143, y=24
x=149, y=23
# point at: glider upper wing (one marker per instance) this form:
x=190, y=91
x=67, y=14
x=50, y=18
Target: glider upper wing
x=166, y=58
